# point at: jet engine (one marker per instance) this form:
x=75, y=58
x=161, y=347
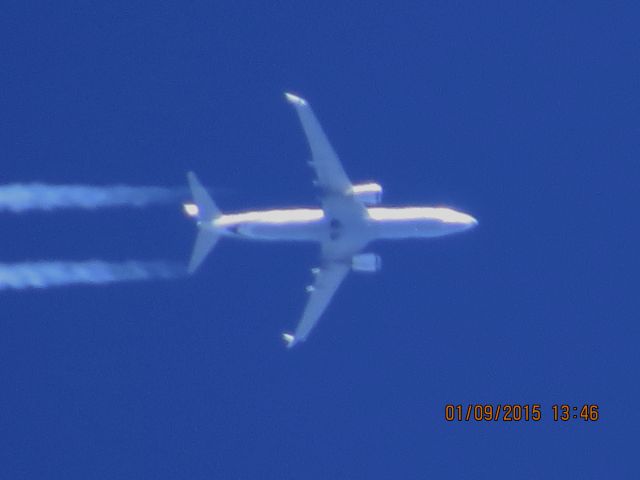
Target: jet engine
x=366, y=262
x=368, y=193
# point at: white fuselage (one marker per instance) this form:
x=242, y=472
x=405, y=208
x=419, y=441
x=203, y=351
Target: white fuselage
x=310, y=224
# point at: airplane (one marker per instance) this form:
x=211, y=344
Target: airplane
x=349, y=219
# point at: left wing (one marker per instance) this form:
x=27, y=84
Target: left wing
x=328, y=279
x=336, y=263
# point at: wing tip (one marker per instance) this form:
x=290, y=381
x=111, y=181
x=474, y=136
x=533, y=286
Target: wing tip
x=294, y=99
x=289, y=339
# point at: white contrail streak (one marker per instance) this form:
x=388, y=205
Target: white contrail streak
x=20, y=197
x=45, y=274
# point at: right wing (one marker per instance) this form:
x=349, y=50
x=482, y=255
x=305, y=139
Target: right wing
x=328, y=279
x=335, y=187
x=331, y=175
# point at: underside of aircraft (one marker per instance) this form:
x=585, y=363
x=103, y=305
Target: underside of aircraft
x=348, y=219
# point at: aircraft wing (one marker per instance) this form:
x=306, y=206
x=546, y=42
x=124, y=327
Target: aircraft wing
x=336, y=263
x=328, y=279
x=331, y=179
x=341, y=208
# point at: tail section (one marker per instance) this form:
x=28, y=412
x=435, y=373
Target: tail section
x=205, y=241
x=206, y=211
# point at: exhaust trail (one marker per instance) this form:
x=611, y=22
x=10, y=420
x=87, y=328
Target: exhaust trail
x=21, y=197
x=46, y=274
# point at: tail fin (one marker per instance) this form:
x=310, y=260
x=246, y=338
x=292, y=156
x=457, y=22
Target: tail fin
x=206, y=212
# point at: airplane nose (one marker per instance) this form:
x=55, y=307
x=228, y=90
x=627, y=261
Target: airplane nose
x=469, y=221
x=459, y=220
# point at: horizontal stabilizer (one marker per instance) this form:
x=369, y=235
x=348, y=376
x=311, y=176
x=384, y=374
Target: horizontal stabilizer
x=205, y=241
x=206, y=207
x=206, y=211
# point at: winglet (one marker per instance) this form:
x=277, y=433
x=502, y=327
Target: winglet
x=291, y=98
x=289, y=339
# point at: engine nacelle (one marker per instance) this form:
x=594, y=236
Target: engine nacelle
x=366, y=262
x=368, y=193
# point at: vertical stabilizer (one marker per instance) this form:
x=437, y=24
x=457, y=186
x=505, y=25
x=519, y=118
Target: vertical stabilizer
x=206, y=211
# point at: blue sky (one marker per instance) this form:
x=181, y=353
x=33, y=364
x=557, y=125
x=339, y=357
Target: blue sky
x=526, y=116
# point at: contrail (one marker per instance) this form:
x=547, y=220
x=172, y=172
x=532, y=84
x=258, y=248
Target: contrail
x=47, y=274
x=20, y=197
